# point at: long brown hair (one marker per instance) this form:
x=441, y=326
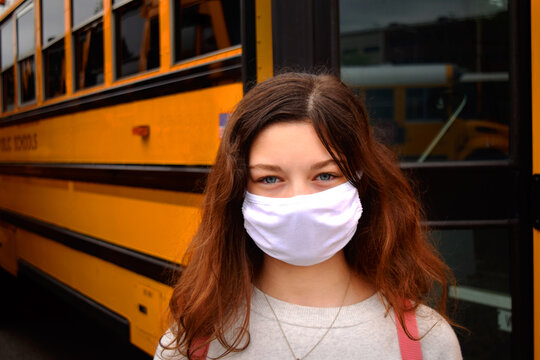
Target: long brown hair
x=389, y=248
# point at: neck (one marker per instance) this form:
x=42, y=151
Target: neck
x=320, y=285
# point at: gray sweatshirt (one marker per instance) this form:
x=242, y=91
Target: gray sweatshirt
x=361, y=331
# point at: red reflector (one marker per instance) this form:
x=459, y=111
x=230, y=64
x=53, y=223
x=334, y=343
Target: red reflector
x=143, y=130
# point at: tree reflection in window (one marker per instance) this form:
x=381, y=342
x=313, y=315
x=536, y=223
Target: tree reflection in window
x=28, y=82
x=202, y=27
x=137, y=37
x=89, y=55
x=55, y=70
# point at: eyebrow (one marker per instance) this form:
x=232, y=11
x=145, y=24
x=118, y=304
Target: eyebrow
x=316, y=166
x=322, y=164
x=266, y=167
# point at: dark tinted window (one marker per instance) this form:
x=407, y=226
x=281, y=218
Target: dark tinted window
x=8, y=89
x=54, y=66
x=27, y=77
x=83, y=10
x=89, y=55
x=205, y=27
x=7, y=43
x=447, y=66
x=480, y=261
x=137, y=37
x=52, y=20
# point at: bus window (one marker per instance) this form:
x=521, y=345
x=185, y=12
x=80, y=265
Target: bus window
x=137, y=36
x=88, y=41
x=201, y=27
x=8, y=71
x=26, y=47
x=54, y=60
x=425, y=104
x=380, y=105
x=444, y=62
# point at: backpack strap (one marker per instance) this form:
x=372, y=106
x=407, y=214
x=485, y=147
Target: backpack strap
x=200, y=352
x=410, y=349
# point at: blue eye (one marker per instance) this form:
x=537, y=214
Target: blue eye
x=325, y=177
x=269, y=180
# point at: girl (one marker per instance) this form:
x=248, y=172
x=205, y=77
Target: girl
x=310, y=244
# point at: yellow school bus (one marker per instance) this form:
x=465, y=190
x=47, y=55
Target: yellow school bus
x=111, y=113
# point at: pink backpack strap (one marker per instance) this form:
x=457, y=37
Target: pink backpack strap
x=200, y=353
x=410, y=349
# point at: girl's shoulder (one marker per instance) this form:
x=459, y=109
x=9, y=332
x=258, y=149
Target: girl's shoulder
x=438, y=339
x=164, y=350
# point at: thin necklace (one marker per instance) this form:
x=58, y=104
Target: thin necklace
x=322, y=337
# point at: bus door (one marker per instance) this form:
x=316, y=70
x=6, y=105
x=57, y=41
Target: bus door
x=447, y=85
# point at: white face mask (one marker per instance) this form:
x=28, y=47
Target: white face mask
x=303, y=230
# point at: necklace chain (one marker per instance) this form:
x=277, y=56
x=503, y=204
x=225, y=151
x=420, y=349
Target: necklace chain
x=322, y=337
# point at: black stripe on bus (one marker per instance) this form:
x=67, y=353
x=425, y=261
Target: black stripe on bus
x=199, y=77
x=177, y=178
x=114, y=322
x=152, y=267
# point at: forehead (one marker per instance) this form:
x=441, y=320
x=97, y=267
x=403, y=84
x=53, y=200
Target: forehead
x=287, y=142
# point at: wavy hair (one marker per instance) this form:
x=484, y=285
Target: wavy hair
x=390, y=248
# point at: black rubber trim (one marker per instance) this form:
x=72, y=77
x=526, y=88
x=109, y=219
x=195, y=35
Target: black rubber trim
x=249, y=50
x=106, y=317
x=536, y=201
x=152, y=267
x=200, y=77
x=469, y=224
x=521, y=252
x=177, y=178
x=305, y=35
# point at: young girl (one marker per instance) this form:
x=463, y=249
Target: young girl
x=310, y=244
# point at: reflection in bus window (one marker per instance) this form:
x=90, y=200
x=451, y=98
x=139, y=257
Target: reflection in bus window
x=381, y=113
x=54, y=66
x=88, y=42
x=26, y=46
x=89, y=55
x=52, y=20
x=447, y=66
x=54, y=63
x=201, y=27
x=480, y=261
x=8, y=89
x=82, y=10
x=425, y=104
x=27, y=77
x=137, y=37
x=8, y=77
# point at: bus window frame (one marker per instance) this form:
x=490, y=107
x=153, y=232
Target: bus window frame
x=20, y=12
x=74, y=29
